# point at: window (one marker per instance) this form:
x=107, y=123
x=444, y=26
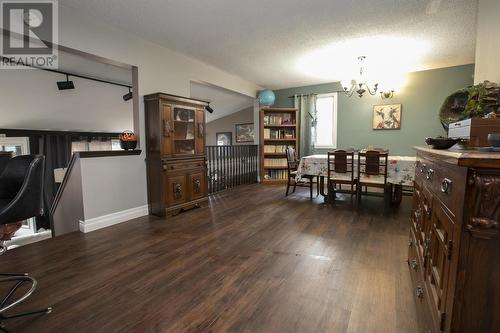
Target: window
x=326, y=127
x=18, y=146
x=86, y=143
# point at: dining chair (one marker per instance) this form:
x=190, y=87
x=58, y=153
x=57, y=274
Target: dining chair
x=372, y=171
x=341, y=172
x=292, y=167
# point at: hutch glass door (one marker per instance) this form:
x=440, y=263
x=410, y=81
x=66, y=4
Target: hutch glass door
x=184, y=131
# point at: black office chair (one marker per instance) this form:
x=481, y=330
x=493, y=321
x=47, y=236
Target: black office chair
x=5, y=156
x=21, y=197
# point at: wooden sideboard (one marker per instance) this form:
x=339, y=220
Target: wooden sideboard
x=454, y=245
x=176, y=164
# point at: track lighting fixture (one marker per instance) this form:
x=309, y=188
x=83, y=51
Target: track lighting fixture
x=65, y=85
x=128, y=96
x=209, y=109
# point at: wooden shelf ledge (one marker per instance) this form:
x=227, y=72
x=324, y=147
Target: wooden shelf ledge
x=107, y=153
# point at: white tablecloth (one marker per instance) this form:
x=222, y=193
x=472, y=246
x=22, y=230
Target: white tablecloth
x=401, y=169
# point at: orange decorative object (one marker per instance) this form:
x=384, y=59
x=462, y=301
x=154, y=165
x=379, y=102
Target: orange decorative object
x=128, y=136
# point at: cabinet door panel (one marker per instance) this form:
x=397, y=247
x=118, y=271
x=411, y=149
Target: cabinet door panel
x=438, y=269
x=167, y=130
x=200, y=132
x=184, y=131
x=197, y=185
x=176, y=190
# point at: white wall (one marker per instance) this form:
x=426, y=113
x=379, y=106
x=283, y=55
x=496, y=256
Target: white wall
x=30, y=100
x=114, y=184
x=488, y=42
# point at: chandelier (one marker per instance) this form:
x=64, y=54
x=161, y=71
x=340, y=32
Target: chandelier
x=360, y=86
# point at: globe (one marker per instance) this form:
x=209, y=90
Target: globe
x=267, y=97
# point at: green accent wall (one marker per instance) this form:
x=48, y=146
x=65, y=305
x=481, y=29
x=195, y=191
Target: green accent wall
x=421, y=99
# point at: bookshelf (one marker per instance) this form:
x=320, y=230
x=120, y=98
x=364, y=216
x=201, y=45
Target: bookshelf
x=279, y=128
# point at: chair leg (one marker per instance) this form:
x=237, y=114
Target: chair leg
x=4, y=306
x=311, y=188
x=294, y=186
x=317, y=185
x=31, y=313
x=352, y=190
x=331, y=192
x=287, y=187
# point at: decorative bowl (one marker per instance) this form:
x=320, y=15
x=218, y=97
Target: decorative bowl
x=128, y=145
x=453, y=108
x=128, y=140
x=494, y=139
x=441, y=142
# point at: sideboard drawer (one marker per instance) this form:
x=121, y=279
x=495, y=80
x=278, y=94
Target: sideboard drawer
x=447, y=182
x=449, y=186
x=184, y=165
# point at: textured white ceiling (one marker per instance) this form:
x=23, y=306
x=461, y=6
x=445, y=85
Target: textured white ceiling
x=223, y=101
x=266, y=41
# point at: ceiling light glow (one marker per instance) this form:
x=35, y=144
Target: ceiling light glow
x=388, y=60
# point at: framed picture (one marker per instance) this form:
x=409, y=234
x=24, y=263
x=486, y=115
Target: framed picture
x=244, y=133
x=386, y=116
x=224, y=138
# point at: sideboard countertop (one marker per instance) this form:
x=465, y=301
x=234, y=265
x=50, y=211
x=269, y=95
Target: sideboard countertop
x=472, y=158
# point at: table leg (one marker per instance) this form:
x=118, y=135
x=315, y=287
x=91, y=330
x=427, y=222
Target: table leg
x=398, y=194
x=327, y=197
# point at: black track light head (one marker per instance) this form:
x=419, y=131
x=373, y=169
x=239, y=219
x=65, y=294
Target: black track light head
x=65, y=85
x=209, y=109
x=128, y=96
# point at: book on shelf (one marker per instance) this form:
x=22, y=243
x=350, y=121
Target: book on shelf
x=276, y=175
x=267, y=133
x=275, y=148
x=270, y=134
x=279, y=119
x=275, y=162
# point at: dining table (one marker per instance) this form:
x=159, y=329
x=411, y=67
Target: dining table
x=400, y=172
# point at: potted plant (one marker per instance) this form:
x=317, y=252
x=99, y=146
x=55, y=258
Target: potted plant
x=478, y=101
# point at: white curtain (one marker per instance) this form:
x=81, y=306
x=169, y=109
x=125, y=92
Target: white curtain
x=307, y=113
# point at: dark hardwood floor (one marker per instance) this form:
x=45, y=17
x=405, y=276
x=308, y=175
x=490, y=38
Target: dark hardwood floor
x=256, y=261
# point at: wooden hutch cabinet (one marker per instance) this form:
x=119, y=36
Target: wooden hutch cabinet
x=175, y=135
x=454, y=245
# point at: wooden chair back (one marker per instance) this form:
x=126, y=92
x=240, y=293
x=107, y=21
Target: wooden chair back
x=291, y=159
x=341, y=161
x=373, y=163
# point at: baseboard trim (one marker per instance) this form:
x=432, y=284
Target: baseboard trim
x=113, y=218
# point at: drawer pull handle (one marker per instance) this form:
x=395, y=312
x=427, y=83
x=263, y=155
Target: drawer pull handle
x=414, y=265
x=429, y=174
x=167, y=129
x=419, y=292
x=178, y=191
x=446, y=186
x=423, y=167
x=427, y=210
x=197, y=186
